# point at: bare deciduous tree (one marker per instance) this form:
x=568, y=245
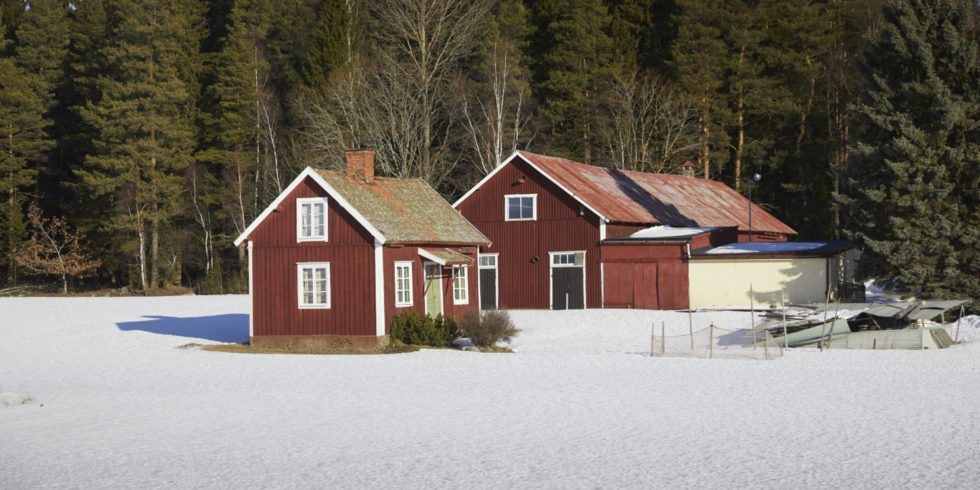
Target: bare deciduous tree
x=53, y=249
x=402, y=102
x=495, y=125
x=650, y=124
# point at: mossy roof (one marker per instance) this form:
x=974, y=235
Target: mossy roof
x=405, y=210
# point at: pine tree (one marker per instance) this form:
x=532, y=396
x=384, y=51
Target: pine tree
x=574, y=57
x=699, y=59
x=144, y=139
x=911, y=190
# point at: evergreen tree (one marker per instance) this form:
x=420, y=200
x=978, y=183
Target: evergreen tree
x=574, y=57
x=144, y=139
x=336, y=41
x=912, y=186
x=25, y=141
x=699, y=59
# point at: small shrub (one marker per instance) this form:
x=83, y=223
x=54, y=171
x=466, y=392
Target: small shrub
x=487, y=329
x=414, y=329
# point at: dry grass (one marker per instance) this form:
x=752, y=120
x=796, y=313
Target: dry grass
x=250, y=349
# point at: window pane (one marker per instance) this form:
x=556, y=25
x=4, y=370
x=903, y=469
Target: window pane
x=318, y=220
x=527, y=210
x=513, y=208
x=307, y=228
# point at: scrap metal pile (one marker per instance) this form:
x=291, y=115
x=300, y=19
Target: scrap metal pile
x=884, y=325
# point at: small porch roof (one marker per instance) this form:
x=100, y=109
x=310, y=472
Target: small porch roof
x=444, y=256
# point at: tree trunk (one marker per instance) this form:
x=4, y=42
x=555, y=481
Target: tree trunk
x=741, y=123
x=154, y=251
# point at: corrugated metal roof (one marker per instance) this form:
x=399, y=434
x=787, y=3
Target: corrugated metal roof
x=638, y=197
x=405, y=210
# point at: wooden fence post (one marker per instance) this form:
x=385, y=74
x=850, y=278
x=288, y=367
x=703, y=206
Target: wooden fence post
x=690, y=327
x=782, y=302
x=752, y=314
x=653, y=338
x=711, y=341
x=956, y=338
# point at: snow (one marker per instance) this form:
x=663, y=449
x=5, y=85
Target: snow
x=666, y=231
x=765, y=247
x=97, y=394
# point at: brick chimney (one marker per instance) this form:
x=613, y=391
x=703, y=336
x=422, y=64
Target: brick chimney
x=361, y=163
x=687, y=169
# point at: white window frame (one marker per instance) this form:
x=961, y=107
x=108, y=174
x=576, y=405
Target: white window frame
x=408, y=292
x=534, y=207
x=300, y=296
x=312, y=201
x=461, y=275
x=555, y=255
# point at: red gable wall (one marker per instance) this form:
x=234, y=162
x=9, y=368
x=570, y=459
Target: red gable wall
x=275, y=253
x=524, y=282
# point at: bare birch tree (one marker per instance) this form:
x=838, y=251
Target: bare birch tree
x=495, y=125
x=650, y=126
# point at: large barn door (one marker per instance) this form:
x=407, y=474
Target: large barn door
x=645, y=287
x=488, y=282
x=631, y=285
x=567, y=280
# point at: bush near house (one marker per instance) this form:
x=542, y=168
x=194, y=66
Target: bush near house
x=413, y=329
x=488, y=328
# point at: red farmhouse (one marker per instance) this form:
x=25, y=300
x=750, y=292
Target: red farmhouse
x=569, y=235
x=337, y=255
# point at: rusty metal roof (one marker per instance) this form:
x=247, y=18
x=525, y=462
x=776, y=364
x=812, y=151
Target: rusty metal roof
x=637, y=197
x=405, y=210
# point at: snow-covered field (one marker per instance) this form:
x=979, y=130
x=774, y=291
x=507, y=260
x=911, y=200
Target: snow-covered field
x=96, y=394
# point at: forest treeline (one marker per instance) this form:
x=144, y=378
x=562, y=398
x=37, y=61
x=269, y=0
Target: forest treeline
x=140, y=137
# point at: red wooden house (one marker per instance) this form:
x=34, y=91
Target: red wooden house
x=337, y=255
x=569, y=235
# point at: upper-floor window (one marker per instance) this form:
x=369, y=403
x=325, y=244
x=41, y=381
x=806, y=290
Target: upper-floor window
x=311, y=219
x=521, y=207
x=460, y=286
x=313, y=284
x=403, y=284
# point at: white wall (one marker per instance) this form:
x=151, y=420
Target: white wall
x=725, y=282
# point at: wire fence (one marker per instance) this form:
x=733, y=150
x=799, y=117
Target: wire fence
x=714, y=342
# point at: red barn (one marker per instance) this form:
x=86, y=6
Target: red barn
x=569, y=235
x=337, y=255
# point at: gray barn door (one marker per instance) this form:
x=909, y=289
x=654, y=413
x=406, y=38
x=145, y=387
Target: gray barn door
x=567, y=288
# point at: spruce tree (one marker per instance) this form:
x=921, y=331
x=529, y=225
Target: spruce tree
x=24, y=143
x=336, y=41
x=911, y=190
x=574, y=57
x=144, y=138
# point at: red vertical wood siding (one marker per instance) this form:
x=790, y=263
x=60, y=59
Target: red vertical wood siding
x=411, y=254
x=523, y=281
x=629, y=266
x=275, y=253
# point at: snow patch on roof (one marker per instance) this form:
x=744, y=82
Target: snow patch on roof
x=665, y=232
x=775, y=247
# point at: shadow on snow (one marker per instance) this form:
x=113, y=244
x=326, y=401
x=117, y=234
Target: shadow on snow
x=231, y=328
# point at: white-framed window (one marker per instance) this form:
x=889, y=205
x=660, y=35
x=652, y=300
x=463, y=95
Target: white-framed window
x=311, y=219
x=313, y=284
x=521, y=207
x=488, y=261
x=460, y=285
x=403, y=284
x=567, y=259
